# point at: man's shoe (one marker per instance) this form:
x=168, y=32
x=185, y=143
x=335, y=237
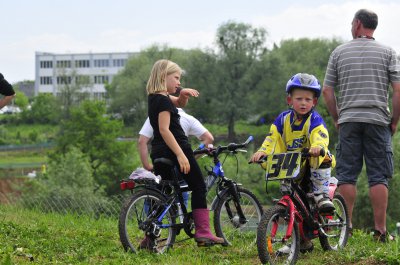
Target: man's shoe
x=382, y=237
x=350, y=231
x=147, y=243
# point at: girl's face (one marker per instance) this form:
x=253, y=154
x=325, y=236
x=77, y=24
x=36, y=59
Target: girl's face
x=302, y=100
x=173, y=82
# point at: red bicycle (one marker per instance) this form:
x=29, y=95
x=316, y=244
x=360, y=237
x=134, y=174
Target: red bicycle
x=295, y=219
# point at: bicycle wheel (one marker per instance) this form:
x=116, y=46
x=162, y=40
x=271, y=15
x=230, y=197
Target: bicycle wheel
x=134, y=222
x=336, y=227
x=271, y=246
x=226, y=219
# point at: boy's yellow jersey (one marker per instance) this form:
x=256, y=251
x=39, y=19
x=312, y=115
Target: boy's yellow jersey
x=290, y=135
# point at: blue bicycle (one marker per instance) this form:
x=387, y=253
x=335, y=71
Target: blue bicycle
x=157, y=210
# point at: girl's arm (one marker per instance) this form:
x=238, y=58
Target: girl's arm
x=183, y=98
x=166, y=134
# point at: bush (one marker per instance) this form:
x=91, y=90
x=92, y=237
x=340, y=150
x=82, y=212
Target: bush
x=68, y=185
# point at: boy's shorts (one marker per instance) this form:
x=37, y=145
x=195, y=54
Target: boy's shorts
x=372, y=142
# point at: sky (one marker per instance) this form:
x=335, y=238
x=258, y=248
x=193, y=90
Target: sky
x=83, y=26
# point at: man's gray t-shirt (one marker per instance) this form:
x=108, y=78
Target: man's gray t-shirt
x=361, y=70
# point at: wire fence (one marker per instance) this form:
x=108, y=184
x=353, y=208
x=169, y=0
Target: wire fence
x=95, y=207
x=88, y=206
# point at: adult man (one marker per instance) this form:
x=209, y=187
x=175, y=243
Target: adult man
x=7, y=91
x=362, y=70
x=190, y=126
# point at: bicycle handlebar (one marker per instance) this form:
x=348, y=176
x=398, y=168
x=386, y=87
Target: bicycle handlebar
x=232, y=147
x=304, y=152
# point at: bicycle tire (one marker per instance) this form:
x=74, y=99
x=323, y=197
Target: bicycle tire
x=339, y=234
x=271, y=249
x=228, y=226
x=134, y=212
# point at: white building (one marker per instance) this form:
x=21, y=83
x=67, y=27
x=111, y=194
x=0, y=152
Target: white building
x=51, y=70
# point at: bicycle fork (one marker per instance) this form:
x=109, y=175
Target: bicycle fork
x=293, y=214
x=233, y=191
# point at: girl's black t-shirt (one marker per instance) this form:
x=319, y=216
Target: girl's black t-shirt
x=158, y=103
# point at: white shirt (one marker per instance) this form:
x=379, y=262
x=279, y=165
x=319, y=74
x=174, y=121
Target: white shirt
x=190, y=126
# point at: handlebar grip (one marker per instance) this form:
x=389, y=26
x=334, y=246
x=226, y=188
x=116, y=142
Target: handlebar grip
x=201, y=151
x=306, y=153
x=322, y=152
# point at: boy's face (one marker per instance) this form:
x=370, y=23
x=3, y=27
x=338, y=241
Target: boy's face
x=302, y=100
x=173, y=82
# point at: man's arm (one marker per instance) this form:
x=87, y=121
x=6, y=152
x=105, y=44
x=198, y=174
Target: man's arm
x=206, y=138
x=143, y=152
x=330, y=100
x=6, y=100
x=395, y=106
x=7, y=90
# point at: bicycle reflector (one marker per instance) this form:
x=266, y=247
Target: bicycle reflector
x=127, y=184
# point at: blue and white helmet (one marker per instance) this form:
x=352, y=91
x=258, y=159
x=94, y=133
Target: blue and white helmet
x=304, y=81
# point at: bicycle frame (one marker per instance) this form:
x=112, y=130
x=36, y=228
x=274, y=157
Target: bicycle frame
x=286, y=168
x=173, y=200
x=217, y=172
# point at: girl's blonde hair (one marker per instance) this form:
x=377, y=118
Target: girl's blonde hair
x=158, y=75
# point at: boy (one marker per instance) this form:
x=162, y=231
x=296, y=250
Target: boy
x=299, y=127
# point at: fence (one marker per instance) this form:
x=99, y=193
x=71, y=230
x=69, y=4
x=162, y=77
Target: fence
x=101, y=206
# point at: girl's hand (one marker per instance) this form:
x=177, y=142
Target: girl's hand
x=189, y=92
x=183, y=163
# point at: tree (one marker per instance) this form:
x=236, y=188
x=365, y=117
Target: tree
x=73, y=88
x=240, y=47
x=45, y=109
x=127, y=92
x=21, y=100
x=66, y=183
x=95, y=134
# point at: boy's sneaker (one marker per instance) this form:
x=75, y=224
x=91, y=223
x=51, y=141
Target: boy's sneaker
x=382, y=237
x=306, y=246
x=324, y=204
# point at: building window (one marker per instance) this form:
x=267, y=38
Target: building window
x=82, y=79
x=46, y=80
x=100, y=79
x=82, y=64
x=46, y=64
x=64, y=80
x=64, y=64
x=119, y=62
x=99, y=95
x=101, y=63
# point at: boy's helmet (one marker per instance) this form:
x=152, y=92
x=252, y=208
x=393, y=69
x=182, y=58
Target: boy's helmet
x=304, y=81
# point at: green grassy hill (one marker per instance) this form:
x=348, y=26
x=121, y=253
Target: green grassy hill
x=31, y=237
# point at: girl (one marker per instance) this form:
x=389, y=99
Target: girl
x=171, y=142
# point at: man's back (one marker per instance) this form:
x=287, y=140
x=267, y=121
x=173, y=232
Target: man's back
x=362, y=69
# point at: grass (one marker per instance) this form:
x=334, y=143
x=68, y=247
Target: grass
x=32, y=237
x=27, y=133
x=15, y=157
